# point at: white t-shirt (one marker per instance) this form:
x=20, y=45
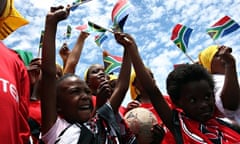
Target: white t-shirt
x=219, y=81
x=63, y=132
x=51, y=136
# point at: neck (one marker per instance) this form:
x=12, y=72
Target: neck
x=144, y=99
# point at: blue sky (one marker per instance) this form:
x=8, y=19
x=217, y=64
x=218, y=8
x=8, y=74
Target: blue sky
x=150, y=23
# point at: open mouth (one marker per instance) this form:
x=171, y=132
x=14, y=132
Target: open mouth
x=206, y=115
x=85, y=107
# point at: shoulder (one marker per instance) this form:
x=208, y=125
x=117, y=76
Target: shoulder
x=7, y=52
x=59, y=126
x=11, y=60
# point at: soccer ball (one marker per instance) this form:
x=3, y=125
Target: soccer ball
x=140, y=122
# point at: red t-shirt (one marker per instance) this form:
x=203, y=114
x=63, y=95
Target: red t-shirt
x=14, y=98
x=35, y=111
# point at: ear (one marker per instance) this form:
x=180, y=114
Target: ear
x=88, y=81
x=59, y=110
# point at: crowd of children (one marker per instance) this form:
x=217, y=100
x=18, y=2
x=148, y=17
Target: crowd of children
x=44, y=102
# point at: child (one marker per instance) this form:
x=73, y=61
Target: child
x=94, y=75
x=191, y=90
x=219, y=61
x=67, y=105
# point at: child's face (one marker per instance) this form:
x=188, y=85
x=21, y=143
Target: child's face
x=74, y=100
x=95, y=76
x=197, y=100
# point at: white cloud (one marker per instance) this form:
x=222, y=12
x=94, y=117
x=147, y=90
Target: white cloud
x=150, y=23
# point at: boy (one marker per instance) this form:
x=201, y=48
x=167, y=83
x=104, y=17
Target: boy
x=191, y=90
x=67, y=104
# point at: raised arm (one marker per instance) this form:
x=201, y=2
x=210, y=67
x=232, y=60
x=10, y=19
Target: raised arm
x=148, y=83
x=48, y=82
x=230, y=94
x=123, y=80
x=74, y=56
x=64, y=53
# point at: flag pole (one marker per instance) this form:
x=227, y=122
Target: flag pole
x=189, y=58
x=40, y=44
x=79, y=3
x=101, y=48
x=39, y=52
x=216, y=43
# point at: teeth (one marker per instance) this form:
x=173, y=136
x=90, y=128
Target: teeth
x=85, y=107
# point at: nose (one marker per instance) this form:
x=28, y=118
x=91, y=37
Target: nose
x=101, y=71
x=101, y=74
x=85, y=96
x=203, y=105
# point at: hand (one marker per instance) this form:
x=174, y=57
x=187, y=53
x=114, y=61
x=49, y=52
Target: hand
x=124, y=39
x=104, y=90
x=64, y=51
x=84, y=35
x=57, y=14
x=158, y=134
x=224, y=53
x=133, y=104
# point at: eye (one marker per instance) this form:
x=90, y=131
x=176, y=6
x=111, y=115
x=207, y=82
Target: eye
x=88, y=91
x=207, y=97
x=94, y=71
x=74, y=91
x=192, y=100
x=217, y=55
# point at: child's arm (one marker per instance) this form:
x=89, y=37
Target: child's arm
x=48, y=82
x=74, y=56
x=148, y=83
x=230, y=94
x=122, y=82
x=64, y=53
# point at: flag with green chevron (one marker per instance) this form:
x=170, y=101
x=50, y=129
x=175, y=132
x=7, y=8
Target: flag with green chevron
x=222, y=27
x=112, y=63
x=69, y=31
x=95, y=28
x=180, y=36
x=76, y=3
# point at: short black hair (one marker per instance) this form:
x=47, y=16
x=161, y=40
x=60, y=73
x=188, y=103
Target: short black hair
x=63, y=78
x=66, y=76
x=184, y=74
